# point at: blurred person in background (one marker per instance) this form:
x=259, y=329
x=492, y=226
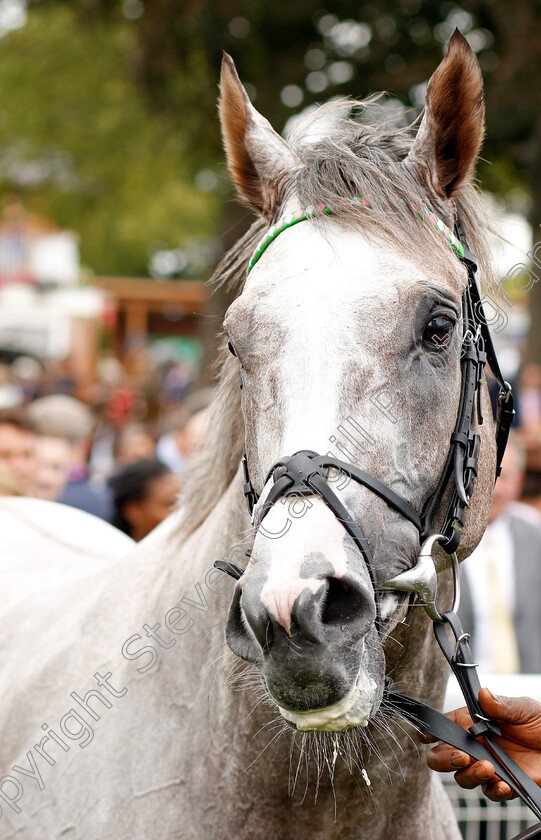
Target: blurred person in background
x=17, y=450
x=27, y=373
x=53, y=461
x=529, y=393
x=134, y=444
x=11, y=393
x=176, y=447
x=144, y=494
x=68, y=421
x=9, y=485
x=502, y=578
x=58, y=379
x=531, y=492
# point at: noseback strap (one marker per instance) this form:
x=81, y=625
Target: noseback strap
x=291, y=477
x=377, y=487
x=306, y=473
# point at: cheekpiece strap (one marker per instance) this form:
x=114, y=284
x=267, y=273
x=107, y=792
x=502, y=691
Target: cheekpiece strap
x=477, y=350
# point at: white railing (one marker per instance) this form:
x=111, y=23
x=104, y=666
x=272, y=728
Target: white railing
x=510, y=685
x=481, y=819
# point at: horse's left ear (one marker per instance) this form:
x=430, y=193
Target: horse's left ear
x=453, y=125
x=259, y=159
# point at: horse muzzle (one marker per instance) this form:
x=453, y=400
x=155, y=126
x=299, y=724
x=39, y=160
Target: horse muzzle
x=310, y=637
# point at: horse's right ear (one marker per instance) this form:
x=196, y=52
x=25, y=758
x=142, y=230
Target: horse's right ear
x=259, y=159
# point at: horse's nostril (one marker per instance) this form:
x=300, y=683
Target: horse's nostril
x=246, y=638
x=342, y=603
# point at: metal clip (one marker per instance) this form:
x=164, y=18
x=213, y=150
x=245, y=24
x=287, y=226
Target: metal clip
x=505, y=392
x=423, y=579
x=464, y=637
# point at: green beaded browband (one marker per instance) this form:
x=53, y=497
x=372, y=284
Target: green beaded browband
x=302, y=215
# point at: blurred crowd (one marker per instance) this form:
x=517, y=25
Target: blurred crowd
x=501, y=580
x=119, y=451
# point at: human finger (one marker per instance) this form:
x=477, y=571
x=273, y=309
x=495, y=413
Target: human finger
x=478, y=774
x=425, y=737
x=513, y=710
x=497, y=791
x=460, y=716
x=444, y=758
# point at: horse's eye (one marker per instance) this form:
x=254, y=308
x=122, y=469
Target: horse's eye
x=438, y=331
x=231, y=349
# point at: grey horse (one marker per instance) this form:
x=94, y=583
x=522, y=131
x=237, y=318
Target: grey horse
x=124, y=713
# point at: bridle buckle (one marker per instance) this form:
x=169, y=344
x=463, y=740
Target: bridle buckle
x=300, y=467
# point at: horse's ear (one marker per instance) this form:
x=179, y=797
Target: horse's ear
x=453, y=125
x=258, y=158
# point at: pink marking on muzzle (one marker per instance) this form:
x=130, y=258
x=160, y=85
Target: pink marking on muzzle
x=278, y=596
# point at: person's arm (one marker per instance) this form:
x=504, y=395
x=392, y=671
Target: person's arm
x=520, y=722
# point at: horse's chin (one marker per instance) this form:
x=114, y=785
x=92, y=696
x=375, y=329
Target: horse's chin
x=355, y=709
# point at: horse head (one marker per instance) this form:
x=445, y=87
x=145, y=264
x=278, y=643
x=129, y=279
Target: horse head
x=347, y=338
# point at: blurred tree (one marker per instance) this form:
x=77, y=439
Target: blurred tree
x=292, y=54
x=79, y=144
x=514, y=119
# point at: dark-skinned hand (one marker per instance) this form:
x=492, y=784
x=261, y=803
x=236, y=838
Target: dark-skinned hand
x=520, y=722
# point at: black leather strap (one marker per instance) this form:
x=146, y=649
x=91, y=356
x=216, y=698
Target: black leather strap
x=229, y=569
x=249, y=493
x=506, y=411
x=458, y=654
x=531, y=833
x=377, y=487
x=305, y=473
x=333, y=502
x=278, y=489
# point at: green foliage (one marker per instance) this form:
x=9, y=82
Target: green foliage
x=318, y=48
x=78, y=141
x=117, y=100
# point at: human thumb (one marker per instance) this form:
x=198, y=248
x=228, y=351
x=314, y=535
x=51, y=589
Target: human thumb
x=491, y=703
x=507, y=709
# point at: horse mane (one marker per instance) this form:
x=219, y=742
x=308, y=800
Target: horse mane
x=343, y=156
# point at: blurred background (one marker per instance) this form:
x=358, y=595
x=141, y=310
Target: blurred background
x=115, y=206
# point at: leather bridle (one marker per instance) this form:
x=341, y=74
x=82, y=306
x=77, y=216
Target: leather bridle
x=463, y=456
x=306, y=473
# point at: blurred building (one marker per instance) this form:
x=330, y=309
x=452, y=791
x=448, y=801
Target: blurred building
x=44, y=312
x=49, y=312
x=147, y=309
